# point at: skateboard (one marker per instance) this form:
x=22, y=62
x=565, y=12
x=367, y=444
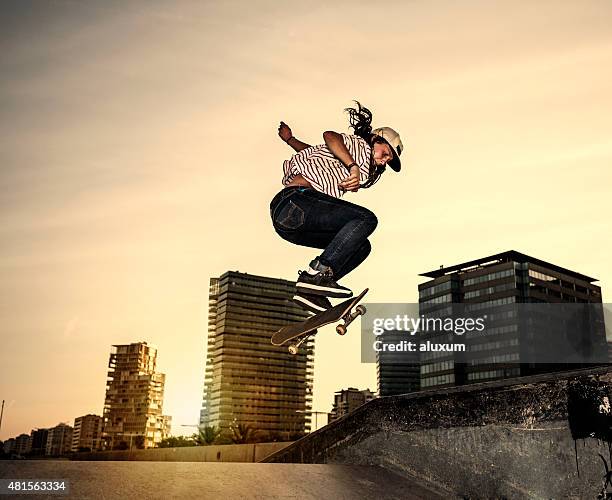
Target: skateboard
x=305, y=329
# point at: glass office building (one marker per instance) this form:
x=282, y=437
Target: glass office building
x=493, y=286
x=397, y=372
x=248, y=381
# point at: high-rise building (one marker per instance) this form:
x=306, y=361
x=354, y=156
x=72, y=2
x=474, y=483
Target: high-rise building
x=248, y=381
x=134, y=398
x=213, y=296
x=165, y=423
x=9, y=446
x=347, y=400
x=59, y=440
x=87, y=434
x=22, y=444
x=397, y=372
x=493, y=286
x=38, y=440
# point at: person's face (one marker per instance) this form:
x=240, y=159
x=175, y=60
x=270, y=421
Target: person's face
x=381, y=154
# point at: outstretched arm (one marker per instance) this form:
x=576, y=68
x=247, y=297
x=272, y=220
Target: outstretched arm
x=284, y=132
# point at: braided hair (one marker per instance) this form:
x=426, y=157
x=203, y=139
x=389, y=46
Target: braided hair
x=360, y=119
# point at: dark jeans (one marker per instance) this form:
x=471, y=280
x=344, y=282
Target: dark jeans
x=310, y=218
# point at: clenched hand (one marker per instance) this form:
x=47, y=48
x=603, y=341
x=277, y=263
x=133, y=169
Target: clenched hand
x=351, y=183
x=284, y=132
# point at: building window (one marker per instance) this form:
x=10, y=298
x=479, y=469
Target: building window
x=488, y=277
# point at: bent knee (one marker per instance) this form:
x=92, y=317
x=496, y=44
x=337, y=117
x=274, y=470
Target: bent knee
x=371, y=220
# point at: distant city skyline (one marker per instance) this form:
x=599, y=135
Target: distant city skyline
x=506, y=257
x=139, y=155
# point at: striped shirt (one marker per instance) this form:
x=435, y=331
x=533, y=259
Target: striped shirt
x=323, y=170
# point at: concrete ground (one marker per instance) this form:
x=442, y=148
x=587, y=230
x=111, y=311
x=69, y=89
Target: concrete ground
x=148, y=480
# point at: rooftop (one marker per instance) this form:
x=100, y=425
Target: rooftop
x=509, y=256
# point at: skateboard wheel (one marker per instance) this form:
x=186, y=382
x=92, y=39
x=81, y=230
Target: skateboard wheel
x=361, y=309
x=293, y=349
x=341, y=329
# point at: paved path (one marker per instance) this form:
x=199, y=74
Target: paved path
x=227, y=481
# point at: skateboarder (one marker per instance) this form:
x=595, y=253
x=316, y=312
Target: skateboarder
x=309, y=210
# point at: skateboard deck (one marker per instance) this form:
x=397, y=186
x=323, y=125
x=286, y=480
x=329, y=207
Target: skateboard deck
x=308, y=327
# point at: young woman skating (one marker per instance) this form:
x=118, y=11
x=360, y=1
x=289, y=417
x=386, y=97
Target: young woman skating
x=310, y=211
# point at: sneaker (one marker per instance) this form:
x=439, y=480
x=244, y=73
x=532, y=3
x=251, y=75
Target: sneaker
x=312, y=303
x=321, y=283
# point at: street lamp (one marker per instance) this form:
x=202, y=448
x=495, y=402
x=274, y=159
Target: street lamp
x=131, y=435
x=315, y=413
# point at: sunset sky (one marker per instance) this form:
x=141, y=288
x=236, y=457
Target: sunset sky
x=139, y=153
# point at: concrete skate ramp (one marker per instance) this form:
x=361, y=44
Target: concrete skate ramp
x=543, y=436
x=163, y=480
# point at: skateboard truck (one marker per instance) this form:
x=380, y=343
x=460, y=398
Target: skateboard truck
x=293, y=348
x=360, y=310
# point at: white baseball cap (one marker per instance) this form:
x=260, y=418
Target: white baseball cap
x=392, y=138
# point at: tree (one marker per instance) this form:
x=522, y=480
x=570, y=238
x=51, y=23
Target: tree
x=206, y=436
x=294, y=436
x=275, y=436
x=139, y=442
x=241, y=433
x=176, y=442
